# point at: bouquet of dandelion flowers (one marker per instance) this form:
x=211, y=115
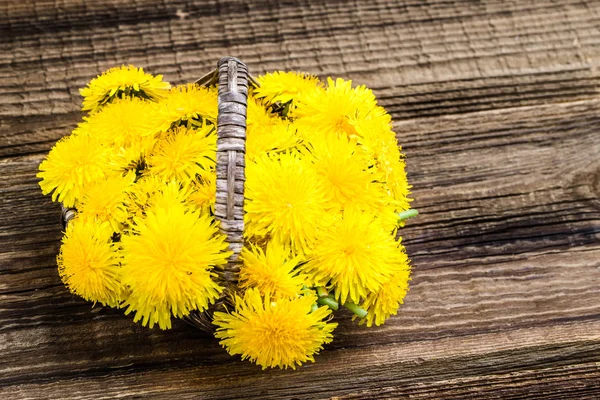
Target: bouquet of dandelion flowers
x=265, y=232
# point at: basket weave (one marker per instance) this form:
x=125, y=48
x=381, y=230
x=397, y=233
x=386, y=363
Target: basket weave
x=233, y=79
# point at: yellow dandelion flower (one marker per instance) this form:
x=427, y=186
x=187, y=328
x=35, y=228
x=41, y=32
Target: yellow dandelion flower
x=275, y=137
x=282, y=333
x=344, y=169
x=284, y=200
x=336, y=109
x=151, y=192
x=257, y=113
x=350, y=179
x=132, y=157
x=88, y=263
x=140, y=193
x=123, y=122
x=379, y=142
x=267, y=131
x=73, y=162
x=104, y=200
x=356, y=254
x=188, y=104
x=170, y=194
x=167, y=263
x=394, y=175
x=377, y=126
x=184, y=153
x=121, y=82
x=204, y=193
x=283, y=87
x=385, y=302
x=272, y=271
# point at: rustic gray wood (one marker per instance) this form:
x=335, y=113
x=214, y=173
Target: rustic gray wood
x=497, y=107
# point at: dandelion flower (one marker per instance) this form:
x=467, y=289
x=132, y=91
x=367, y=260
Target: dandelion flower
x=385, y=302
x=350, y=179
x=119, y=82
x=139, y=195
x=258, y=115
x=170, y=194
x=271, y=271
x=379, y=142
x=132, y=157
x=73, y=162
x=284, y=200
x=151, y=192
x=356, y=254
x=88, y=264
x=266, y=131
x=344, y=169
x=188, y=105
x=377, y=126
x=276, y=137
x=282, y=333
x=184, y=153
x=392, y=168
x=123, y=122
x=104, y=200
x=283, y=87
x=204, y=193
x=168, y=261
x=336, y=109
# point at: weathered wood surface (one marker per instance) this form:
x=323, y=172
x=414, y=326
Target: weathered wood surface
x=497, y=106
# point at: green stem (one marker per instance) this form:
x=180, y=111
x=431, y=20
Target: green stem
x=314, y=308
x=329, y=302
x=321, y=291
x=361, y=312
x=408, y=214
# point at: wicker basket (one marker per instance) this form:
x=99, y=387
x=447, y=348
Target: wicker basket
x=233, y=80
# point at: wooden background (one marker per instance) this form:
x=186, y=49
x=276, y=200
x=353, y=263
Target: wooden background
x=497, y=106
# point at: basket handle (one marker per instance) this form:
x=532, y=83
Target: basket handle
x=231, y=148
x=233, y=78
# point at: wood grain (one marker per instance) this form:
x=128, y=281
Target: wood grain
x=497, y=107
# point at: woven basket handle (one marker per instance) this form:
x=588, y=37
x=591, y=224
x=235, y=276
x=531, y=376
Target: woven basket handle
x=231, y=147
x=232, y=76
